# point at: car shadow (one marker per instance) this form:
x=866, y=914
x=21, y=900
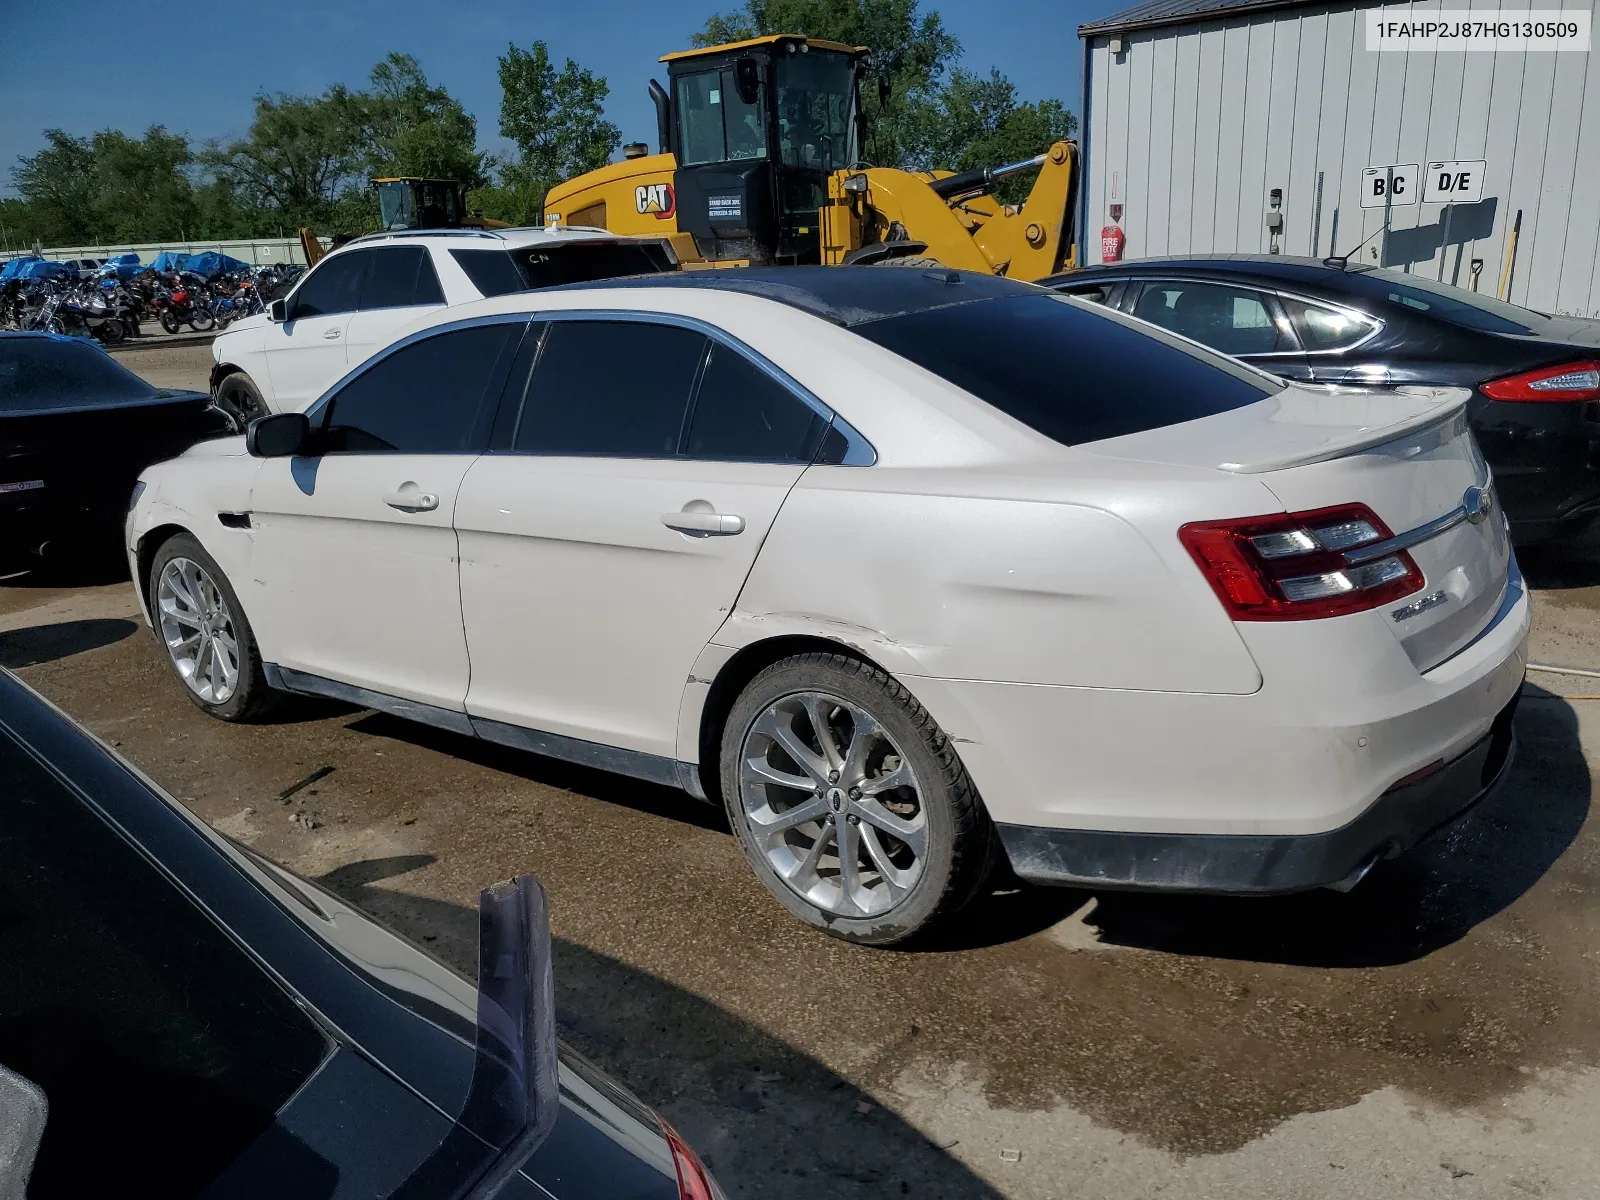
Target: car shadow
x=767, y=1119
x=621, y=790
x=37, y=644
x=1554, y=567
x=1405, y=909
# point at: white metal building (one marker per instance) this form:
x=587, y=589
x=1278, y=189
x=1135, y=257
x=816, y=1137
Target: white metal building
x=1201, y=114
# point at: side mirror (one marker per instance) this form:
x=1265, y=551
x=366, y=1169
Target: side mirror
x=747, y=80
x=278, y=312
x=277, y=436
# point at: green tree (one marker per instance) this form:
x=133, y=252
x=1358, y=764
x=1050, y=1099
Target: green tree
x=410, y=127
x=58, y=186
x=972, y=121
x=556, y=118
x=143, y=188
x=302, y=156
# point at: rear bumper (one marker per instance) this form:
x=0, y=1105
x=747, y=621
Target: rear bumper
x=1245, y=864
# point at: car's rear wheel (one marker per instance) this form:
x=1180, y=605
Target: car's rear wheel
x=209, y=643
x=850, y=802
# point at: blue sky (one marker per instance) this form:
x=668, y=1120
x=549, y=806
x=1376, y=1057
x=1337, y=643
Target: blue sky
x=89, y=64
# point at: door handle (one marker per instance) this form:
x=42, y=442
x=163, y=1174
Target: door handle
x=703, y=524
x=409, y=499
x=333, y=335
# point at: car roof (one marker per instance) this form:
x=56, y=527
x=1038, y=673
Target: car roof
x=1283, y=267
x=492, y=239
x=843, y=295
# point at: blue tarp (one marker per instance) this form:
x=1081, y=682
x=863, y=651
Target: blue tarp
x=13, y=268
x=206, y=265
x=36, y=268
x=124, y=266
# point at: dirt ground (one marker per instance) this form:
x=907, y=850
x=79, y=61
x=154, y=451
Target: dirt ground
x=1433, y=1033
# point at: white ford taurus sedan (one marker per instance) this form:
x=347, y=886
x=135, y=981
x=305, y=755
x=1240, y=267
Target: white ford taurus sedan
x=915, y=572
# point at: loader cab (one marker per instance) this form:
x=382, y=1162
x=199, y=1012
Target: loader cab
x=756, y=128
x=411, y=203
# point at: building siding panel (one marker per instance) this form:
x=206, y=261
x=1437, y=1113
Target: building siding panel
x=1204, y=119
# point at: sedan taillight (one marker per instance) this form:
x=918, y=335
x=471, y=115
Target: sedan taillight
x=694, y=1181
x=1292, y=567
x=1569, y=381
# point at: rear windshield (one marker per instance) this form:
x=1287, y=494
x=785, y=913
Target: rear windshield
x=496, y=272
x=1473, y=310
x=1068, y=369
x=60, y=373
x=162, y=1048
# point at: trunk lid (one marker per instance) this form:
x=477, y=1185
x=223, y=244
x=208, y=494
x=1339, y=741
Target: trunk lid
x=1407, y=454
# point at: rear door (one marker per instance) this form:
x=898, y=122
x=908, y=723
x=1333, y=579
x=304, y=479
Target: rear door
x=606, y=546
x=306, y=352
x=400, y=286
x=1246, y=322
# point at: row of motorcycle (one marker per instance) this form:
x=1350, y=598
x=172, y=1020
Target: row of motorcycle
x=110, y=308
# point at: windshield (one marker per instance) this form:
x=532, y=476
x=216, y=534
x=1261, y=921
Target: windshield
x=714, y=123
x=1456, y=305
x=43, y=373
x=395, y=207
x=817, y=110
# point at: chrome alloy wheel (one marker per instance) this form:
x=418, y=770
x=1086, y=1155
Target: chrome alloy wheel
x=833, y=804
x=198, y=630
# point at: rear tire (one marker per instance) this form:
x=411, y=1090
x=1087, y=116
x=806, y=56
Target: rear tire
x=169, y=321
x=202, y=319
x=888, y=782
x=207, y=638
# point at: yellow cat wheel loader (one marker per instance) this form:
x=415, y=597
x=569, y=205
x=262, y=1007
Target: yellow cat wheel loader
x=760, y=163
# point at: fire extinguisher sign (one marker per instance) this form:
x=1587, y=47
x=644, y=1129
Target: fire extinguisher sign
x=1112, y=239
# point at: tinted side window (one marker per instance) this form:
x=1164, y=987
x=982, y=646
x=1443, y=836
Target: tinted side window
x=1074, y=373
x=1233, y=320
x=491, y=271
x=1326, y=328
x=400, y=276
x=334, y=287
x=429, y=397
x=610, y=387
x=162, y=1048
x=44, y=373
x=741, y=412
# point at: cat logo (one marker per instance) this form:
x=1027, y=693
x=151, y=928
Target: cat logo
x=656, y=199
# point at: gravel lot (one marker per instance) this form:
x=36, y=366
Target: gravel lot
x=1434, y=1033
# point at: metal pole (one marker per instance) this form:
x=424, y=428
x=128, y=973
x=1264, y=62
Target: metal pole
x=1316, y=219
x=1388, y=206
x=1444, y=241
x=1333, y=234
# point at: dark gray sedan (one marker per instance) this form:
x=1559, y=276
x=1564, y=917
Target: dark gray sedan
x=1535, y=378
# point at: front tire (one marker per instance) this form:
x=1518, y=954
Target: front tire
x=240, y=399
x=169, y=321
x=850, y=802
x=208, y=640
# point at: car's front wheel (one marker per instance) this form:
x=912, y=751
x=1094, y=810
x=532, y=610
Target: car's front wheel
x=850, y=802
x=209, y=643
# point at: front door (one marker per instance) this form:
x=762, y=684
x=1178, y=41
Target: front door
x=603, y=552
x=354, y=569
x=306, y=353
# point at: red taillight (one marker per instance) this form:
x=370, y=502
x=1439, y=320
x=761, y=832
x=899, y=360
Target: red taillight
x=1292, y=567
x=694, y=1181
x=1569, y=381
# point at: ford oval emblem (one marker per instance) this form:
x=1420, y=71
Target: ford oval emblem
x=1478, y=503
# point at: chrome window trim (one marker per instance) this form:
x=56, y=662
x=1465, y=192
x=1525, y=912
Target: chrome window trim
x=1243, y=287
x=1376, y=323
x=858, y=451
x=317, y=411
x=1282, y=294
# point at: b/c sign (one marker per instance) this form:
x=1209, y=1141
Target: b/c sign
x=1453, y=182
x=1382, y=186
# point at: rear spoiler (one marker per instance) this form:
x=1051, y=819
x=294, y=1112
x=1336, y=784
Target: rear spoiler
x=1302, y=431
